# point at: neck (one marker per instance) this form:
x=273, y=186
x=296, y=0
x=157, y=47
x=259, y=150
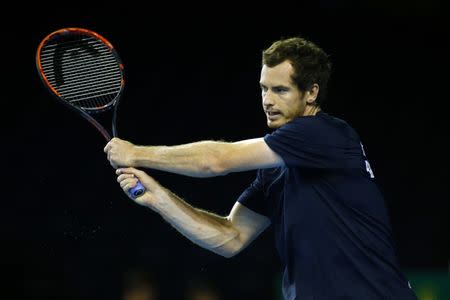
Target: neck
x=311, y=110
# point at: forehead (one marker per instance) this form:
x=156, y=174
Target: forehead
x=277, y=75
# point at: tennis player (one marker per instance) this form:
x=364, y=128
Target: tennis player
x=313, y=184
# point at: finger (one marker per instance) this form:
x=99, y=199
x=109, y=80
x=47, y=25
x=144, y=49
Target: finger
x=106, y=149
x=114, y=140
x=143, y=177
x=128, y=170
x=128, y=183
x=129, y=186
x=137, y=173
x=132, y=170
x=113, y=165
x=122, y=177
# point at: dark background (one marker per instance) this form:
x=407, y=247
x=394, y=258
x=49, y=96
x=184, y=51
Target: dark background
x=68, y=232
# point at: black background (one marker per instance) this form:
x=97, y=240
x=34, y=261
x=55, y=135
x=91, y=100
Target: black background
x=68, y=232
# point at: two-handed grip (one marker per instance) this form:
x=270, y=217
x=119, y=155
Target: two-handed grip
x=137, y=190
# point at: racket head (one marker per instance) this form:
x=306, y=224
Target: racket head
x=81, y=68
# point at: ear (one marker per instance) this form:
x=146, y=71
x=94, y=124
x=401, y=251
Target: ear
x=312, y=94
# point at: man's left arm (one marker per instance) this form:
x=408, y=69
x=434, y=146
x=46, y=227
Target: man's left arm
x=199, y=159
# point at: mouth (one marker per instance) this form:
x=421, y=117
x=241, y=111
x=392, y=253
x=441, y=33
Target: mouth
x=273, y=114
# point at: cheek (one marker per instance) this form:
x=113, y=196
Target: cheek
x=293, y=107
x=293, y=112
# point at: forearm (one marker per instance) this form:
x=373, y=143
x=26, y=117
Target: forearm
x=200, y=159
x=210, y=231
x=204, y=159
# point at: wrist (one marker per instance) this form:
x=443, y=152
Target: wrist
x=136, y=155
x=159, y=200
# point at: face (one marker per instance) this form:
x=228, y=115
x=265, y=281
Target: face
x=281, y=99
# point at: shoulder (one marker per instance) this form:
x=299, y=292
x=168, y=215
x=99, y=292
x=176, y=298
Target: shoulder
x=320, y=125
x=329, y=125
x=321, y=120
x=321, y=129
x=333, y=121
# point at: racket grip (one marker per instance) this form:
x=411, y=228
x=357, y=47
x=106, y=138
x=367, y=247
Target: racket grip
x=137, y=190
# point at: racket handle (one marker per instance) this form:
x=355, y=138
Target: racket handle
x=137, y=190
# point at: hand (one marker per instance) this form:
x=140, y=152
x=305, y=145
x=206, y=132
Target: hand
x=128, y=177
x=120, y=153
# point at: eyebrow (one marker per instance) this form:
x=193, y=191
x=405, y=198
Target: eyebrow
x=275, y=87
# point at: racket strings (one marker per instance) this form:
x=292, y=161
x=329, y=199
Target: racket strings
x=83, y=70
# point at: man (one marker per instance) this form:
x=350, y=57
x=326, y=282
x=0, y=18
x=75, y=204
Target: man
x=313, y=184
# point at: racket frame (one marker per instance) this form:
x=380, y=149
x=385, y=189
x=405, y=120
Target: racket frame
x=84, y=113
x=139, y=189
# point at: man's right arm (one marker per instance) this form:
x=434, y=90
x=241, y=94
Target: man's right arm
x=225, y=236
x=199, y=159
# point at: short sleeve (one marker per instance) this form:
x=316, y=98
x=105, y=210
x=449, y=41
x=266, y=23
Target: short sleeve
x=253, y=196
x=311, y=143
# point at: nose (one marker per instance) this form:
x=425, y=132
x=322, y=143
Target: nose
x=267, y=98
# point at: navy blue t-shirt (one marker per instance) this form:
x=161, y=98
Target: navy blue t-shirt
x=331, y=226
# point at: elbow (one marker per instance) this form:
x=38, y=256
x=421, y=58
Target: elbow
x=230, y=248
x=216, y=159
x=228, y=253
x=215, y=166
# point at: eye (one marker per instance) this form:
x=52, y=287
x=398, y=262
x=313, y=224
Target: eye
x=280, y=90
x=263, y=88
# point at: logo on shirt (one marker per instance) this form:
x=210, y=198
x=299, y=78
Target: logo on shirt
x=368, y=168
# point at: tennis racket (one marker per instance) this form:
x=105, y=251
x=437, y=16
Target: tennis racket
x=84, y=72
